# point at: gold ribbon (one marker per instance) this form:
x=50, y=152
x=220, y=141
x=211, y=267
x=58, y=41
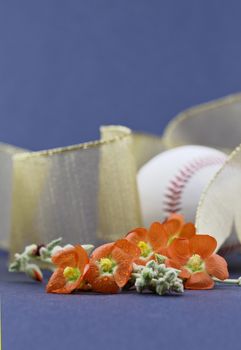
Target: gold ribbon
x=88, y=193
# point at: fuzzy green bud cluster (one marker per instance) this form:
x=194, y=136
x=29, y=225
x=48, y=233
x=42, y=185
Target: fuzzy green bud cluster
x=157, y=277
x=35, y=257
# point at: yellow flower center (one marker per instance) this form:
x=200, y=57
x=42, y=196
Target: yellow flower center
x=145, y=249
x=71, y=274
x=195, y=263
x=107, y=265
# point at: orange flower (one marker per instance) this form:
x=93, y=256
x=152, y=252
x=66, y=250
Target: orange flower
x=148, y=241
x=176, y=226
x=197, y=261
x=111, y=266
x=71, y=267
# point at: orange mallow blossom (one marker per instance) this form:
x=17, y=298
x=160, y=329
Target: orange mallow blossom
x=72, y=263
x=197, y=261
x=148, y=241
x=160, y=236
x=175, y=227
x=110, y=266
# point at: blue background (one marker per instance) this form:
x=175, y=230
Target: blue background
x=66, y=67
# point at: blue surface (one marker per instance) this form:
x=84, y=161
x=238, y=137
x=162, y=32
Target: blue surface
x=35, y=320
x=67, y=67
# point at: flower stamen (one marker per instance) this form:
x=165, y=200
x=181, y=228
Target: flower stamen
x=71, y=274
x=145, y=249
x=107, y=265
x=195, y=263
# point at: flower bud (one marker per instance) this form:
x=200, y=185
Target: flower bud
x=157, y=278
x=147, y=274
x=31, y=249
x=140, y=284
x=151, y=264
x=178, y=287
x=34, y=272
x=171, y=275
x=160, y=258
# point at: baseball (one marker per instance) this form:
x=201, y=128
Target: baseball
x=172, y=182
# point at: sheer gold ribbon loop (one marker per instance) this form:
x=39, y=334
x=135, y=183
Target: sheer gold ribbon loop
x=215, y=124
x=219, y=208
x=83, y=193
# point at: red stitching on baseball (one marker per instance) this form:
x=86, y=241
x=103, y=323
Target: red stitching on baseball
x=173, y=195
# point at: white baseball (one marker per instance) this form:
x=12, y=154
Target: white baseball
x=174, y=180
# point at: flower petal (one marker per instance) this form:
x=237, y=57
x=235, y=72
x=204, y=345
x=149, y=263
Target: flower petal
x=129, y=248
x=105, y=284
x=174, y=224
x=217, y=266
x=184, y=273
x=120, y=256
x=103, y=251
x=100, y=283
x=172, y=263
x=92, y=272
x=158, y=236
x=83, y=258
x=178, y=217
x=162, y=251
x=199, y=280
x=188, y=231
x=179, y=251
x=66, y=257
x=143, y=261
x=123, y=273
x=137, y=235
x=203, y=245
x=57, y=283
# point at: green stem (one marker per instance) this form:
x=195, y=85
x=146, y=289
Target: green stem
x=229, y=281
